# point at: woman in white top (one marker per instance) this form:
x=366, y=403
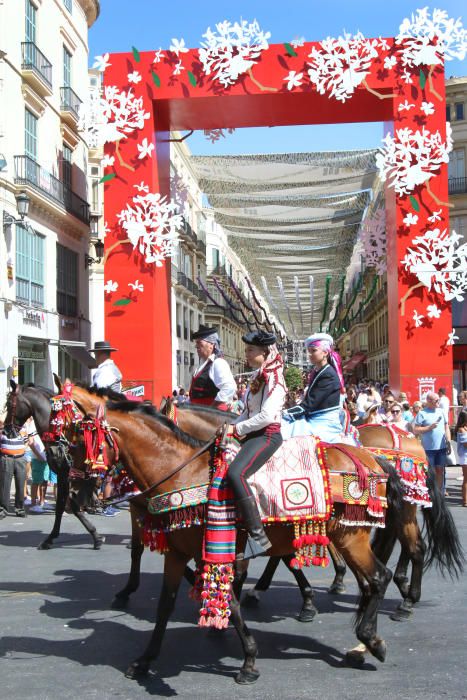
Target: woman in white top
x=259, y=428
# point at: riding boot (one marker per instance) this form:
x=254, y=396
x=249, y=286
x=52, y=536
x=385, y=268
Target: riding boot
x=257, y=543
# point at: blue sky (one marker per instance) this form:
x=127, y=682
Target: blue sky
x=150, y=24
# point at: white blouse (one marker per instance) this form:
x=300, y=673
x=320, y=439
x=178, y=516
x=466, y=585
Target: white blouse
x=261, y=409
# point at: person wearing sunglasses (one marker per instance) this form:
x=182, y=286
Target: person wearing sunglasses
x=433, y=428
x=397, y=418
x=385, y=410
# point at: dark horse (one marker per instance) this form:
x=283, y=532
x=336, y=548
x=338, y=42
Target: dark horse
x=151, y=448
x=30, y=400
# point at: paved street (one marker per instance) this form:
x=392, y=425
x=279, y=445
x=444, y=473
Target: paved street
x=61, y=639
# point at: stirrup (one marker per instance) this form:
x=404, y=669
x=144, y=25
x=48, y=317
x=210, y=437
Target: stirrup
x=254, y=549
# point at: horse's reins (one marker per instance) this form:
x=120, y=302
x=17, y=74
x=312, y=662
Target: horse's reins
x=181, y=466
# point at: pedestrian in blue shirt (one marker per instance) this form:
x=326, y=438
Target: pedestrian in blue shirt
x=433, y=428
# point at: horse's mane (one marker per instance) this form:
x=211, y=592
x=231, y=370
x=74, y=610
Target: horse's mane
x=147, y=409
x=197, y=408
x=43, y=389
x=104, y=392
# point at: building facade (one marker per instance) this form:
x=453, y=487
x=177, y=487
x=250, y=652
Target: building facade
x=43, y=278
x=456, y=106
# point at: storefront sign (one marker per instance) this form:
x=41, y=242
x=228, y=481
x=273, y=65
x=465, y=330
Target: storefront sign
x=29, y=354
x=135, y=391
x=32, y=318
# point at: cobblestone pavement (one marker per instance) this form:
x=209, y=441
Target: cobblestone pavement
x=61, y=639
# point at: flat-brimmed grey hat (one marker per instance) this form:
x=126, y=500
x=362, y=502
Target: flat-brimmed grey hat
x=102, y=346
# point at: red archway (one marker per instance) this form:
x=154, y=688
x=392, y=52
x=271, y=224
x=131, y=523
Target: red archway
x=379, y=80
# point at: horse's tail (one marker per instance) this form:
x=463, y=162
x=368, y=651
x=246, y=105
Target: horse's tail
x=394, y=488
x=440, y=533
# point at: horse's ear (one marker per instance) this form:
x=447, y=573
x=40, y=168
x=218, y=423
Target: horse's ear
x=163, y=404
x=13, y=385
x=82, y=409
x=58, y=382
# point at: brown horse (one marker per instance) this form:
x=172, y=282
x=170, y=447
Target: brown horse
x=442, y=544
x=151, y=447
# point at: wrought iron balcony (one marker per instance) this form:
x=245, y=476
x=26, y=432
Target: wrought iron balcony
x=201, y=246
x=457, y=185
x=69, y=102
x=34, y=62
x=28, y=172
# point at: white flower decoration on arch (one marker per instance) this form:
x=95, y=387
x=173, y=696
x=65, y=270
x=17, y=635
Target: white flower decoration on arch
x=411, y=158
x=418, y=319
x=439, y=263
x=452, y=337
x=111, y=117
x=110, y=286
x=431, y=39
x=232, y=50
x=340, y=65
x=151, y=225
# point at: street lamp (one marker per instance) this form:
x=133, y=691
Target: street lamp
x=99, y=248
x=22, y=205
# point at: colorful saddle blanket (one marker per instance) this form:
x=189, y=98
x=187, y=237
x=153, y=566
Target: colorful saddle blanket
x=292, y=485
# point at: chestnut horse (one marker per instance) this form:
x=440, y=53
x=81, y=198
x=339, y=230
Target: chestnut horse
x=151, y=448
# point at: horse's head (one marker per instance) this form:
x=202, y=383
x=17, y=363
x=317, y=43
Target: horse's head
x=18, y=409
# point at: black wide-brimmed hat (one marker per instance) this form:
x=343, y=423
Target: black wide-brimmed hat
x=261, y=338
x=203, y=332
x=102, y=346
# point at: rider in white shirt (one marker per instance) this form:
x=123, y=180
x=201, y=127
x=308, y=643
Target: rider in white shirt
x=107, y=374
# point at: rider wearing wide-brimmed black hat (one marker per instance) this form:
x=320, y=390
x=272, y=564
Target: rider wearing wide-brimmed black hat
x=212, y=383
x=259, y=428
x=107, y=375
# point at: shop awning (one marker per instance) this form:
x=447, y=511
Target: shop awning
x=357, y=359
x=77, y=350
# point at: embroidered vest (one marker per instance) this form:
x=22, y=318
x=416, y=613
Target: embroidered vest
x=202, y=389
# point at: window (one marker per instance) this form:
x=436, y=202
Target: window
x=68, y=367
x=457, y=163
x=30, y=25
x=69, y=6
x=67, y=281
x=215, y=258
x=66, y=165
x=29, y=266
x=66, y=67
x=459, y=111
x=30, y=134
x=448, y=113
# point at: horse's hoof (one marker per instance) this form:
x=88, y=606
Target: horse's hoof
x=45, y=545
x=355, y=657
x=99, y=542
x=138, y=669
x=336, y=588
x=246, y=677
x=401, y=614
x=378, y=649
x=307, y=614
x=251, y=599
x=120, y=603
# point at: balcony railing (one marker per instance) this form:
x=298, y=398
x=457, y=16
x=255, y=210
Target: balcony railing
x=201, y=245
x=28, y=172
x=69, y=101
x=34, y=60
x=457, y=185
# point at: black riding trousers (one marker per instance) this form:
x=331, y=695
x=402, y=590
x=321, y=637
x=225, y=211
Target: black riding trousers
x=255, y=451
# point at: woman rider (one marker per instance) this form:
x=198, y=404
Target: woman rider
x=259, y=430
x=213, y=383
x=320, y=411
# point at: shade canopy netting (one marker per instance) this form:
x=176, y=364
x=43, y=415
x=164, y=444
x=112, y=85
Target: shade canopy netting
x=294, y=220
